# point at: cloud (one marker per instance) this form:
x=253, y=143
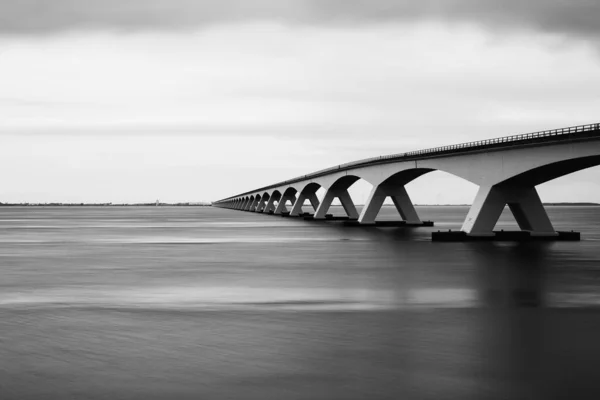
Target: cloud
x=382, y=89
x=572, y=18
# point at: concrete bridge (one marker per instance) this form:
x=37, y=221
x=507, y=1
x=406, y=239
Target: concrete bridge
x=507, y=171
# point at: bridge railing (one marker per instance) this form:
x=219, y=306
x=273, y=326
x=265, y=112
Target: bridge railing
x=564, y=133
x=572, y=132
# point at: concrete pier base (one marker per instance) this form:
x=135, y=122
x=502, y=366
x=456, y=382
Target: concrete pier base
x=390, y=224
x=523, y=201
x=503, y=236
x=289, y=215
x=329, y=217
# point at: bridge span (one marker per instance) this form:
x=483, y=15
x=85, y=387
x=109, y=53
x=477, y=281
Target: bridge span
x=506, y=169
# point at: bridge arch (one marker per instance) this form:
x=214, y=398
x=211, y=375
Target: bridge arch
x=254, y=202
x=339, y=189
x=290, y=191
x=547, y=172
x=245, y=203
x=262, y=202
x=274, y=196
x=289, y=194
x=307, y=191
x=392, y=184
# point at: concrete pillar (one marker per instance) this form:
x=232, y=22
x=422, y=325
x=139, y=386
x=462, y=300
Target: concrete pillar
x=281, y=206
x=345, y=199
x=524, y=203
x=404, y=205
x=270, y=206
x=261, y=204
x=254, y=204
x=529, y=212
x=348, y=204
x=401, y=200
x=372, y=205
x=325, y=204
x=484, y=212
x=297, y=206
x=249, y=204
x=314, y=200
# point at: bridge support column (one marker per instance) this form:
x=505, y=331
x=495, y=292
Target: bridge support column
x=314, y=201
x=254, y=205
x=261, y=204
x=345, y=199
x=281, y=206
x=271, y=203
x=298, y=203
x=400, y=198
x=523, y=201
x=297, y=206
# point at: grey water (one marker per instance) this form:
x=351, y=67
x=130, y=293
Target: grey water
x=208, y=303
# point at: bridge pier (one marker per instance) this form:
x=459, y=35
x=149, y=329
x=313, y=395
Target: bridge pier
x=262, y=202
x=401, y=200
x=345, y=199
x=297, y=206
x=270, y=206
x=248, y=204
x=281, y=208
x=523, y=201
x=254, y=206
x=244, y=204
x=302, y=197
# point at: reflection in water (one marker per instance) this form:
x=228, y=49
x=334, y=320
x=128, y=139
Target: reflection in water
x=512, y=275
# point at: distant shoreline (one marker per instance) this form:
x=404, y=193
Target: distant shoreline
x=581, y=204
x=105, y=205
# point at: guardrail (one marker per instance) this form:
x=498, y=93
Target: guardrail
x=561, y=134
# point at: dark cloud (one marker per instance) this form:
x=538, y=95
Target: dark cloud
x=569, y=17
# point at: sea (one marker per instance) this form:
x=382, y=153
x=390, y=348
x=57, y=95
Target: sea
x=209, y=303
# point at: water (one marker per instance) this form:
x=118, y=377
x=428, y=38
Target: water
x=206, y=303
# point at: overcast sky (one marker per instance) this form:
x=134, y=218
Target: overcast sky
x=189, y=100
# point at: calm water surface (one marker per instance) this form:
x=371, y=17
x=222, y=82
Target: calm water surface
x=206, y=303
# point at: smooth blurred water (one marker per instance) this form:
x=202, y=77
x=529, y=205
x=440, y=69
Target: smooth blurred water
x=207, y=303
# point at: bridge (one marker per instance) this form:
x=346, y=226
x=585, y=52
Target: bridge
x=506, y=169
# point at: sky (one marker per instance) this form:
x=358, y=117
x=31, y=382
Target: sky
x=187, y=100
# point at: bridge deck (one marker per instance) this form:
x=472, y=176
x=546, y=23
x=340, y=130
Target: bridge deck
x=573, y=133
